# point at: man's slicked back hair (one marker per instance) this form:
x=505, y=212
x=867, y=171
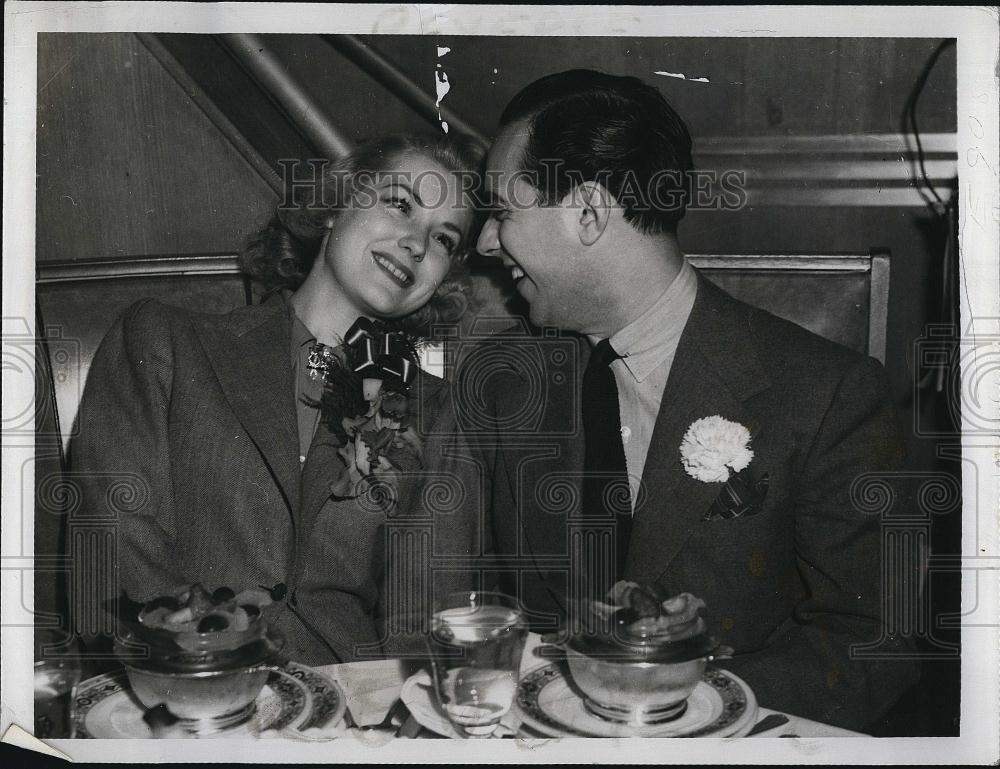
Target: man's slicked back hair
x=587, y=126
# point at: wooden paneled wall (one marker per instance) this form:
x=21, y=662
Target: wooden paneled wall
x=127, y=163
x=757, y=86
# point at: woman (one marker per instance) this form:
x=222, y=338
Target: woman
x=253, y=452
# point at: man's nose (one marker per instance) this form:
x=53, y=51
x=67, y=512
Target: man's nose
x=488, y=243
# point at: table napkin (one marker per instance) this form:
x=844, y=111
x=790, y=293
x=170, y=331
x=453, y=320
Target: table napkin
x=371, y=687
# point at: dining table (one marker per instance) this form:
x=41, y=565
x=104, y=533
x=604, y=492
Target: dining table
x=375, y=710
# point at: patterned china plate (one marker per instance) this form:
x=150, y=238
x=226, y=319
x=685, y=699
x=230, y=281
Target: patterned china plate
x=294, y=699
x=722, y=705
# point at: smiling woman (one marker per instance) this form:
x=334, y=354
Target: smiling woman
x=294, y=444
x=397, y=204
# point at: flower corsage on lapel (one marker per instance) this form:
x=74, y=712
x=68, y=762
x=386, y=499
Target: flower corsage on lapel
x=715, y=450
x=366, y=404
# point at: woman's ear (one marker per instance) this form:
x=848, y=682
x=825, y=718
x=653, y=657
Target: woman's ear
x=327, y=232
x=593, y=206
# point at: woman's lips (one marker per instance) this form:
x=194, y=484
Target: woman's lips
x=394, y=269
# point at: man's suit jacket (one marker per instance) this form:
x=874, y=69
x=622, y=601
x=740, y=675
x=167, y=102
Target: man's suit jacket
x=191, y=417
x=790, y=588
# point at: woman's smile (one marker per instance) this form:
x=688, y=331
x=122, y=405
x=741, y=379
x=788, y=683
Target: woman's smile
x=394, y=268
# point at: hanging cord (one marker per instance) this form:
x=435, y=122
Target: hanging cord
x=948, y=287
x=944, y=212
x=910, y=122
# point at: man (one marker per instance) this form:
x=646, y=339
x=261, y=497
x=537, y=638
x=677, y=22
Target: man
x=589, y=176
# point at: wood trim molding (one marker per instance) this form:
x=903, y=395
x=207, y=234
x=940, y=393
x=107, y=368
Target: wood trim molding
x=878, y=144
x=401, y=85
x=228, y=264
x=849, y=170
x=256, y=56
x=137, y=266
x=782, y=262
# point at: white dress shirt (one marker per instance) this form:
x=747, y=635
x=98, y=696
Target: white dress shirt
x=647, y=345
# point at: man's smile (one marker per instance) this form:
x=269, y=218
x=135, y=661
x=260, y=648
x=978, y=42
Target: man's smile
x=516, y=272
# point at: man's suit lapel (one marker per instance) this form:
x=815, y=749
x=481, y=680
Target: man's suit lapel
x=250, y=355
x=715, y=370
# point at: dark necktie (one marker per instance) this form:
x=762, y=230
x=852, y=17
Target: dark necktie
x=606, y=495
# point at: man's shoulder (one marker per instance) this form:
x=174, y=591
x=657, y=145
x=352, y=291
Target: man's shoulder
x=519, y=354
x=517, y=375
x=432, y=391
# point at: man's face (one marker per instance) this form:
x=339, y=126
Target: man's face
x=539, y=244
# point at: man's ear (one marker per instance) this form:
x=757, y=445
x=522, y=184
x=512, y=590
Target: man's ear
x=593, y=206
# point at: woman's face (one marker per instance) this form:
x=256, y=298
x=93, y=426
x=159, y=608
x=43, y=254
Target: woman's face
x=391, y=248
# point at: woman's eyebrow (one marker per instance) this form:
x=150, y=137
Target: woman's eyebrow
x=454, y=227
x=446, y=224
x=396, y=183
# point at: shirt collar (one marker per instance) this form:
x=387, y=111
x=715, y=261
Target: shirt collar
x=652, y=338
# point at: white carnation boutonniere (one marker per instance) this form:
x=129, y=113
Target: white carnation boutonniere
x=715, y=450
x=713, y=446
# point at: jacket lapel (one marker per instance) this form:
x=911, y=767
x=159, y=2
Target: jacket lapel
x=317, y=476
x=715, y=370
x=250, y=355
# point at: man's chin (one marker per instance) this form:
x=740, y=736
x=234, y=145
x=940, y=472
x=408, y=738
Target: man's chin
x=540, y=314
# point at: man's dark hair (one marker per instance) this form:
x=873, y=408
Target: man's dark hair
x=618, y=131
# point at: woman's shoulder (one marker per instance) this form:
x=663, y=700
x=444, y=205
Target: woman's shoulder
x=152, y=312
x=152, y=315
x=163, y=330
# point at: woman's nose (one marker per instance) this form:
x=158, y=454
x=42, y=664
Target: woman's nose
x=489, y=242
x=416, y=243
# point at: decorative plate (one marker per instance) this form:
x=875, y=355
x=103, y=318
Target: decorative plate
x=722, y=705
x=294, y=699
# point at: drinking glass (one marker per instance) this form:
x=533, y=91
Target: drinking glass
x=55, y=678
x=476, y=643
